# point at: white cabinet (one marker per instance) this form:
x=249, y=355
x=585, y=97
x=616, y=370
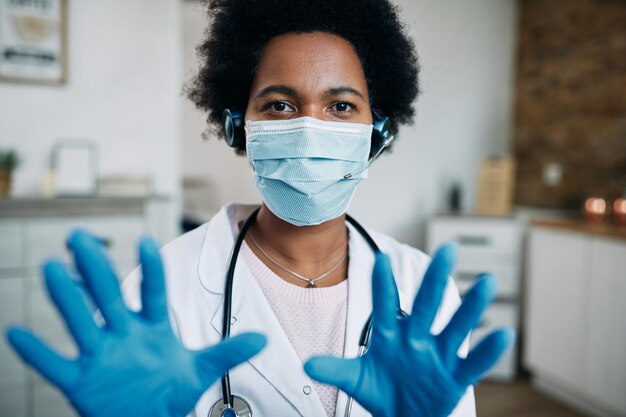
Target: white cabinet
x=606, y=325
x=25, y=242
x=499, y=315
x=10, y=245
x=576, y=318
x=556, y=293
x=12, y=373
x=486, y=244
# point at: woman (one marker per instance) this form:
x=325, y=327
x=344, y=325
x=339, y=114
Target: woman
x=314, y=82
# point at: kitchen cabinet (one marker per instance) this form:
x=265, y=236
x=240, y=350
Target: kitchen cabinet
x=29, y=234
x=487, y=244
x=575, y=327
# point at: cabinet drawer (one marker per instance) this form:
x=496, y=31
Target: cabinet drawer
x=477, y=239
x=47, y=237
x=497, y=316
x=46, y=321
x=44, y=317
x=49, y=402
x=13, y=401
x=506, y=275
x=11, y=312
x=11, y=244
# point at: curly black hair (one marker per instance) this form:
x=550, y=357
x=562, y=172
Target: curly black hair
x=240, y=29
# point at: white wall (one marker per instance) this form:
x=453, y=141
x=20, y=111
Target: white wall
x=228, y=174
x=464, y=114
x=123, y=92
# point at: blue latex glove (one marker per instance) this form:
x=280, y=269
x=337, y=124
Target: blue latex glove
x=134, y=365
x=407, y=371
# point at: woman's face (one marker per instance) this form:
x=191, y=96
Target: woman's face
x=309, y=74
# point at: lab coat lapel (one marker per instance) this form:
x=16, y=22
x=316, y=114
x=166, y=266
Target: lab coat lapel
x=359, y=306
x=359, y=291
x=278, y=362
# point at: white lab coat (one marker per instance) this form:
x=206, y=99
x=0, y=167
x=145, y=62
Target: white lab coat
x=273, y=382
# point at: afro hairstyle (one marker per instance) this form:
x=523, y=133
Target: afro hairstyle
x=240, y=29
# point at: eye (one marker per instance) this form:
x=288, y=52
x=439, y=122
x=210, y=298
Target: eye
x=279, y=106
x=342, y=107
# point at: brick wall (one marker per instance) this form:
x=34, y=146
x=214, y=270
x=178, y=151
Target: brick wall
x=571, y=100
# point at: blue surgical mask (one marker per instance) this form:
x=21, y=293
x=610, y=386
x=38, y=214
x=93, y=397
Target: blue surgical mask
x=302, y=166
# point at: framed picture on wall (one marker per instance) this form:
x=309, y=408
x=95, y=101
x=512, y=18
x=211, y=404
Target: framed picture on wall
x=33, y=41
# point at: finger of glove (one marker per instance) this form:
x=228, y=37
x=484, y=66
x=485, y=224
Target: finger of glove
x=153, y=295
x=56, y=369
x=100, y=278
x=385, y=299
x=213, y=362
x=466, y=318
x=345, y=374
x=431, y=290
x=486, y=354
x=70, y=303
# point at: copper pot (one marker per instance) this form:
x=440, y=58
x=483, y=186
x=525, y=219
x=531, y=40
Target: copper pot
x=595, y=209
x=619, y=211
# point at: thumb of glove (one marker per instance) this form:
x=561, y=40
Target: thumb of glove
x=214, y=361
x=345, y=374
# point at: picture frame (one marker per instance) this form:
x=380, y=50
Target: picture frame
x=75, y=167
x=33, y=41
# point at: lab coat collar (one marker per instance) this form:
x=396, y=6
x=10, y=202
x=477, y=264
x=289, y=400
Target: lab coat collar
x=217, y=246
x=359, y=305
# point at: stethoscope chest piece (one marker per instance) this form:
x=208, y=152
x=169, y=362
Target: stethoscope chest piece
x=240, y=408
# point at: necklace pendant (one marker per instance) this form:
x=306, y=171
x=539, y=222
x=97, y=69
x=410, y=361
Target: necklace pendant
x=311, y=284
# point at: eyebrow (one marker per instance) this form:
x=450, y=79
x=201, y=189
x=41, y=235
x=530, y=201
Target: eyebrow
x=335, y=91
x=288, y=91
x=282, y=89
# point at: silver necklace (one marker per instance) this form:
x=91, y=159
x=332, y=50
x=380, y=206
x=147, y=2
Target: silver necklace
x=310, y=281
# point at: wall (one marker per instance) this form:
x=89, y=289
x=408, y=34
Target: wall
x=464, y=114
x=571, y=103
x=227, y=177
x=123, y=92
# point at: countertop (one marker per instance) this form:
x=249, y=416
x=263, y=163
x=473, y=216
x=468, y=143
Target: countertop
x=70, y=206
x=578, y=225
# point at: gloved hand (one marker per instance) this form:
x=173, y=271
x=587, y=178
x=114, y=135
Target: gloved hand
x=134, y=365
x=408, y=371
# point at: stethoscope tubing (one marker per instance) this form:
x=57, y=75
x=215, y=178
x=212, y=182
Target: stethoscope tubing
x=228, y=300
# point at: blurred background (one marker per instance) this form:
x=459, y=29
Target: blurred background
x=518, y=152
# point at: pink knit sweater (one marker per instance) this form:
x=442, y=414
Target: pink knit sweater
x=314, y=319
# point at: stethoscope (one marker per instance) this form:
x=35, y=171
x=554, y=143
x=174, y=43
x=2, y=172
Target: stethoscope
x=233, y=405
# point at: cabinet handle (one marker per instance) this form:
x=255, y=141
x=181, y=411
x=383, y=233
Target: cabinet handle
x=466, y=276
x=104, y=241
x=482, y=324
x=469, y=240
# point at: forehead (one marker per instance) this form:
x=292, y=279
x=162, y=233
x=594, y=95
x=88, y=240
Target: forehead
x=309, y=61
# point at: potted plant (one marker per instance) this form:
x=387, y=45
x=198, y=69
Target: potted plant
x=9, y=160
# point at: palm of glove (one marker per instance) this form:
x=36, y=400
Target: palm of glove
x=134, y=365
x=150, y=372
x=407, y=370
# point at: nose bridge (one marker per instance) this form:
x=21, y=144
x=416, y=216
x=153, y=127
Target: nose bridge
x=311, y=109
